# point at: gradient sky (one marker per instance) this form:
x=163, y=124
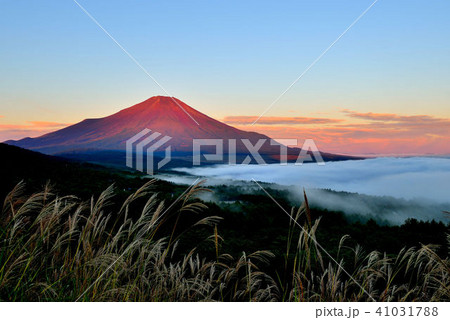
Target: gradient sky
x=383, y=88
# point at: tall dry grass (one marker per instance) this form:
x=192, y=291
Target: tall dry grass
x=414, y=274
x=64, y=249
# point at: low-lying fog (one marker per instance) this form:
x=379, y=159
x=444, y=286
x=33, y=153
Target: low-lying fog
x=418, y=182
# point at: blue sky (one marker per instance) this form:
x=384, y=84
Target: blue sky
x=225, y=58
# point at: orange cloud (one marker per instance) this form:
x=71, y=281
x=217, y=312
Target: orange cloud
x=378, y=133
x=47, y=124
x=30, y=129
x=363, y=141
x=243, y=120
x=390, y=117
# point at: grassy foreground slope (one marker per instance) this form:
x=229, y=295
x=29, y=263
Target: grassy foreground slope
x=64, y=249
x=145, y=240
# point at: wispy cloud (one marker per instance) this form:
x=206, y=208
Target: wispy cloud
x=391, y=117
x=47, y=124
x=29, y=129
x=361, y=133
x=243, y=120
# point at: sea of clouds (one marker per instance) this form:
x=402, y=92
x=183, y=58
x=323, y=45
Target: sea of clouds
x=422, y=182
x=408, y=178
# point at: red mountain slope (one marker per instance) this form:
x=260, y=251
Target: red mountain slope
x=168, y=116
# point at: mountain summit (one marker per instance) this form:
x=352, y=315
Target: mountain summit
x=166, y=115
